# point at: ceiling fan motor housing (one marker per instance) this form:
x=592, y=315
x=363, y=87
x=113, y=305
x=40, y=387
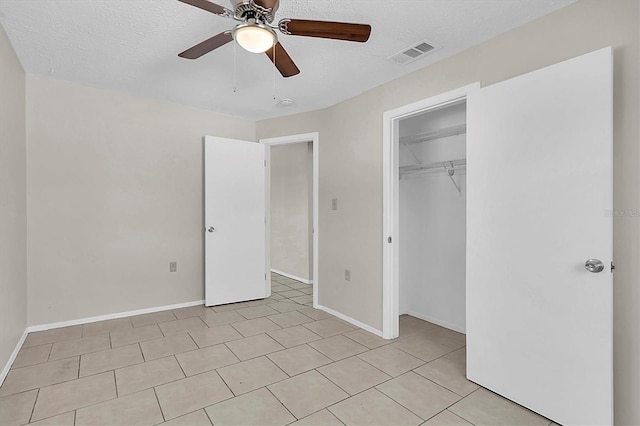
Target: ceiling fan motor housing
x=247, y=8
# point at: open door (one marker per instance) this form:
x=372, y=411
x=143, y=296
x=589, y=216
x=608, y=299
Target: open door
x=539, y=239
x=235, y=224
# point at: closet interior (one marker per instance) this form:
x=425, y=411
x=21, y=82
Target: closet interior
x=432, y=211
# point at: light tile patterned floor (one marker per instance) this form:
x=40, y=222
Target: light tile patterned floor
x=268, y=362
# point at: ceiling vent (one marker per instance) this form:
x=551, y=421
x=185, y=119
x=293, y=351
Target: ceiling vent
x=412, y=53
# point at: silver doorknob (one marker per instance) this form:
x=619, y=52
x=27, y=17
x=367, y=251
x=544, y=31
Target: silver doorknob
x=211, y=229
x=594, y=265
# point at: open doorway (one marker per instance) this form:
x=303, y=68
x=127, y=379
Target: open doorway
x=292, y=191
x=432, y=216
x=425, y=215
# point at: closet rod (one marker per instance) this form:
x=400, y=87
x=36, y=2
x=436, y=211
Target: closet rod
x=435, y=134
x=439, y=166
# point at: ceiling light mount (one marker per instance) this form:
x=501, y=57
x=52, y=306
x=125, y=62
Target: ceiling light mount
x=254, y=37
x=285, y=102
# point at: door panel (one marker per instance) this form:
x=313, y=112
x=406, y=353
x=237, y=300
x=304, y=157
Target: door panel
x=235, y=228
x=539, y=325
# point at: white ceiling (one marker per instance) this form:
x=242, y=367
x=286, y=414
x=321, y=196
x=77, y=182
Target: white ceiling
x=133, y=45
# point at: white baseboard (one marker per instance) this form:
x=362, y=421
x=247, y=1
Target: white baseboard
x=437, y=321
x=111, y=316
x=293, y=277
x=12, y=358
x=350, y=320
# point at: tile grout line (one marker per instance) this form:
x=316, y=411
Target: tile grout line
x=451, y=405
x=181, y=369
x=226, y=384
x=141, y=352
x=407, y=408
x=115, y=383
x=34, y=405
x=281, y=403
x=442, y=386
x=86, y=406
x=457, y=415
x=334, y=383
x=159, y=405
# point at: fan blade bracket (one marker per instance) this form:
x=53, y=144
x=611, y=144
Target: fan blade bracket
x=283, y=26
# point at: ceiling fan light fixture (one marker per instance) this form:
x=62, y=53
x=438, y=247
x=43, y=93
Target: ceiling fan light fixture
x=254, y=37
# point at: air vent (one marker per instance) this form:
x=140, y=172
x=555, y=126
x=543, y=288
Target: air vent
x=412, y=53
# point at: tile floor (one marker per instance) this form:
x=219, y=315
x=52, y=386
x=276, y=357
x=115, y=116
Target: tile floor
x=276, y=361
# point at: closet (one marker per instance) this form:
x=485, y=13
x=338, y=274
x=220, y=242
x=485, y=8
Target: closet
x=432, y=157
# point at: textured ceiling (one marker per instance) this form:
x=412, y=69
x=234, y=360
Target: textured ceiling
x=133, y=45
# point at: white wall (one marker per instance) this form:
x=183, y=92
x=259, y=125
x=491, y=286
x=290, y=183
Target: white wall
x=351, y=163
x=291, y=180
x=115, y=193
x=432, y=240
x=13, y=202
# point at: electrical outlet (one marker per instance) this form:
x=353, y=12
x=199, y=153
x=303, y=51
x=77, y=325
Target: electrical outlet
x=334, y=204
x=173, y=266
x=347, y=275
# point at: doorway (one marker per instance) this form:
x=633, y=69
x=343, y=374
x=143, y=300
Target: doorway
x=432, y=216
x=424, y=144
x=292, y=217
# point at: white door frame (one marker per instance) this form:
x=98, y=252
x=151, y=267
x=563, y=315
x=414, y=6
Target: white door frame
x=314, y=138
x=391, y=201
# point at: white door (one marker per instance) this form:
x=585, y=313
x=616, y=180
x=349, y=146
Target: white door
x=539, y=324
x=235, y=228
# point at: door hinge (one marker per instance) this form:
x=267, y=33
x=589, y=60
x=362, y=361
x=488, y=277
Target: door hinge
x=613, y=267
x=389, y=240
x=265, y=163
x=265, y=277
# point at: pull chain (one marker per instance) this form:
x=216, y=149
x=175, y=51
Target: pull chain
x=235, y=67
x=274, y=72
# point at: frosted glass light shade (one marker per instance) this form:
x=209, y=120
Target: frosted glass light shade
x=254, y=38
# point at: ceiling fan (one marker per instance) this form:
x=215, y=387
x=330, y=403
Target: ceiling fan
x=256, y=31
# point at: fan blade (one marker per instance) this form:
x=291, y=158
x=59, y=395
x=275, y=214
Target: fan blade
x=324, y=29
x=207, y=46
x=283, y=61
x=268, y=4
x=206, y=5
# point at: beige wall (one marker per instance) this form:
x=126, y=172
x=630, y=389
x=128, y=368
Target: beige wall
x=115, y=194
x=290, y=209
x=351, y=163
x=13, y=201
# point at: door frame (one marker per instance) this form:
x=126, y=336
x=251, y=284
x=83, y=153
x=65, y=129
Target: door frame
x=314, y=138
x=391, y=200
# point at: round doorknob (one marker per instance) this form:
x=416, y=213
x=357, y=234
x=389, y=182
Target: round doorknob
x=211, y=229
x=594, y=265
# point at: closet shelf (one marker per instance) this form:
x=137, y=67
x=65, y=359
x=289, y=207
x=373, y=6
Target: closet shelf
x=434, y=134
x=439, y=166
